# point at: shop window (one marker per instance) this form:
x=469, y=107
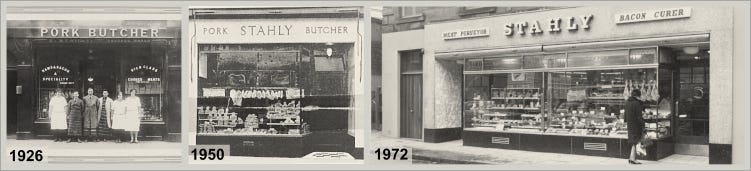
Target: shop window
x=57, y=70
x=473, y=65
x=589, y=102
x=145, y=76
x=507, y=101
x=598, y=58
x=643, y=56
x=263, y=88
x=545, y=61
x=504, y=63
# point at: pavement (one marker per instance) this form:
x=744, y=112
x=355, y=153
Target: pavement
x=453, y=152
x=101, y=152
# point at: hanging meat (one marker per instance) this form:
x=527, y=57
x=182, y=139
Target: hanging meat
x=645, y=95
x=655, y=92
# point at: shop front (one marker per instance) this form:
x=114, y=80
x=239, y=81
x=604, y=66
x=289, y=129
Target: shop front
x=104, y=55
x=557, y=80
x=281, y=86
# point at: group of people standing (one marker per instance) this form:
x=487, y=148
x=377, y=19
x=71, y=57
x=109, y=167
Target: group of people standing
x=95, y=118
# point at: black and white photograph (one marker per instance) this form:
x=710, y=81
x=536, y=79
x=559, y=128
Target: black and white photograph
x=94, y=84
x=278, y=84
x=554, y=85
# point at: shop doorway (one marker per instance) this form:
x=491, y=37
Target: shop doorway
x=12, y=119
x=692, y=92
x=410, y=117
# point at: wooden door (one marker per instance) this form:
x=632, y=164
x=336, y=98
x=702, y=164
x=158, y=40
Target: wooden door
x=411, y=106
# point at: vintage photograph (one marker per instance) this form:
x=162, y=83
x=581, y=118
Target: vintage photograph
x=94, y=84
x=278, y=83
x=590, y=85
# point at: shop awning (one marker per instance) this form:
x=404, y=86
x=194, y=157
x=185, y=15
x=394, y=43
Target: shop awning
x=655, y=41
x=468, y=54
x=605, y=44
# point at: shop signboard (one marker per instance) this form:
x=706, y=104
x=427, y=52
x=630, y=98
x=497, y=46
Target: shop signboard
x=466, y=33
x=653, y=15
x=92, y=29
x=276, y=30
x=552, y=25
x=533, y=27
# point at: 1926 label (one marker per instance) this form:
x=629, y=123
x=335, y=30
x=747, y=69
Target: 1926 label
x=26, y=155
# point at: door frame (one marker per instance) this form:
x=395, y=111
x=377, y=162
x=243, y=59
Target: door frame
x=403, y=55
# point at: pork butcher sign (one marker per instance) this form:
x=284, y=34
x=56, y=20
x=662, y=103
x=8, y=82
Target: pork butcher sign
x=652, y=15
x=64, y=32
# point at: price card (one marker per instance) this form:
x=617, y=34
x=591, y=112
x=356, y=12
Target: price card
x=390, y=155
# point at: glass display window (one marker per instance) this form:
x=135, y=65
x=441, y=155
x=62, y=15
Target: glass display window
x=270, y=89
x=569, y=96
x=592, y=102
x=506, y=101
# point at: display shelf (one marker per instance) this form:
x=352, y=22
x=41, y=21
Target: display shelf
x=215, y=119
x=511, y=108
x=485, y=125
x=606, y=98
x=279, y=118
x=226, y=97
x=251, y=135
x=518, y=98
x=597, y=86
x=655, y=120
x=496, y=114
x=522, y=88
x=248, y=88
x=284, y=124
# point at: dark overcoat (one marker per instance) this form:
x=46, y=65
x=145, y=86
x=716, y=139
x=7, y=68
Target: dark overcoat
x=634, y=119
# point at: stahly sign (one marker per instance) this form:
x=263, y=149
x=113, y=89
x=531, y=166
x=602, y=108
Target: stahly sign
x=552, y=25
